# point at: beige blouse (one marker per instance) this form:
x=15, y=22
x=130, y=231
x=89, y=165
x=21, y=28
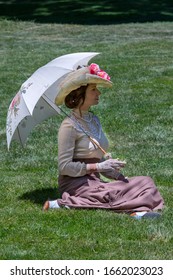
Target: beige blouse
x=73, y=143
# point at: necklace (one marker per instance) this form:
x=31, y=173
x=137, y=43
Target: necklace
x=87, y=116
x=88, y=123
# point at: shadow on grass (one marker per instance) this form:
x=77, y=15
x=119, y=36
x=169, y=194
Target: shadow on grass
x=39, y=196
x=88, y=12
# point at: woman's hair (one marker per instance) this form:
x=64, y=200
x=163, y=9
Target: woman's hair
x=76, y=97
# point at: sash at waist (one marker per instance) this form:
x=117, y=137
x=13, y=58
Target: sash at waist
x=87, y=160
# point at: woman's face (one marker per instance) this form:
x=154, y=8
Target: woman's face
x=91, y=97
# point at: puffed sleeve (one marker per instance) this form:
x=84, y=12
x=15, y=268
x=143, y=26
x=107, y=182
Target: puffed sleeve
x=66, y=145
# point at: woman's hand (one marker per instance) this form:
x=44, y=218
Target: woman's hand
x=110, y=165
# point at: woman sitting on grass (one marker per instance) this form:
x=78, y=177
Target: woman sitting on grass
x=81, y=144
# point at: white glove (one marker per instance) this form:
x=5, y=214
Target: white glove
x=109, y=165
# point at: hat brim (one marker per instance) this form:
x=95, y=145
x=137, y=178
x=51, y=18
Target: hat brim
x=77, y=79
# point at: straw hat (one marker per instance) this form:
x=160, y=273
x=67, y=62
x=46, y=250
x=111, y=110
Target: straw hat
x=86, y=75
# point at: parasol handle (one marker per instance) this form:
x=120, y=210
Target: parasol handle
x=107, y=155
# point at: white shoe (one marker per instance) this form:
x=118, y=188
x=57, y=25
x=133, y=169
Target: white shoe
x=50, y=204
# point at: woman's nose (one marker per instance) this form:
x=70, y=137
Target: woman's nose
x=98, y=92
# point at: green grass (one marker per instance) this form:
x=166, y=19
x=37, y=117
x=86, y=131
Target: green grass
x=87, y=12
x=137, y=116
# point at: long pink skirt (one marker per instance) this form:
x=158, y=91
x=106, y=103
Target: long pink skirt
x=89, y=191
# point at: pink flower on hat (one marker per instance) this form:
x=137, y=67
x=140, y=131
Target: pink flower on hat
x=103, y=75
x=95, y=69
